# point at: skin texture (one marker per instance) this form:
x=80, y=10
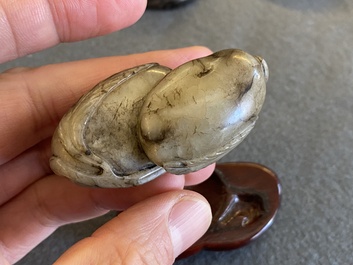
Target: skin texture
x=32, y=102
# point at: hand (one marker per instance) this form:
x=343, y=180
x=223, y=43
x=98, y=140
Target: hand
x=160, y=218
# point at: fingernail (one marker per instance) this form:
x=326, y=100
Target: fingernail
x=188, y=221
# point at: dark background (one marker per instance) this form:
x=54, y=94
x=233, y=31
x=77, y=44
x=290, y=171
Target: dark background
x=305, y=131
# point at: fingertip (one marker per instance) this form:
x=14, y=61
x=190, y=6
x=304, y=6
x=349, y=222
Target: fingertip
x=194, y=52
x=81, y=20
x=174, y=58
x=197, y=177
x=189, y=219
x=200, y=51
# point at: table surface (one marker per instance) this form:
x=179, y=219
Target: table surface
x=305, y=131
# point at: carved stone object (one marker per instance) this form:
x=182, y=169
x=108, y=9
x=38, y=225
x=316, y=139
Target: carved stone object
x=140, y=123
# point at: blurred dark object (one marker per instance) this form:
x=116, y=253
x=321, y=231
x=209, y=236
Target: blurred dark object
x=166, y=4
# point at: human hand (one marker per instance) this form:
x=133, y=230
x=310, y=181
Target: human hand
x=161, y=219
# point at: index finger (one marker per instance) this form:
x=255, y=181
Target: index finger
x=32, y=25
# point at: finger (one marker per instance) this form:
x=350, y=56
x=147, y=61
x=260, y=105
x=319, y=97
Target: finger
x=31, y=25
x=54, y=201
x=34, y=100
x=154, y=231
x=197, y=177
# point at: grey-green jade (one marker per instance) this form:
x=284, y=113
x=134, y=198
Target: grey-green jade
x=148, y=120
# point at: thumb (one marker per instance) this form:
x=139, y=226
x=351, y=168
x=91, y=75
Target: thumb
x=154, y=231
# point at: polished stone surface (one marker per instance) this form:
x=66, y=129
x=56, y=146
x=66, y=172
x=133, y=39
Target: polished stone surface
x=124, y=131
x=202, y=110
x=305, y=133
x=96, y=143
